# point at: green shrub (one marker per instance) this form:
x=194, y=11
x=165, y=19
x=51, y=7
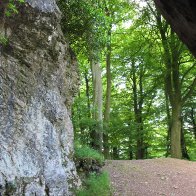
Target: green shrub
x=3, y=40
x=85, y=152
x=96, y=185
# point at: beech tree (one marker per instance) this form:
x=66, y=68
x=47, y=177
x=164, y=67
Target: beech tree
x=86, y=29
x=173, y=51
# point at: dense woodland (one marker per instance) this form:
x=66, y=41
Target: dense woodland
x=137, y=93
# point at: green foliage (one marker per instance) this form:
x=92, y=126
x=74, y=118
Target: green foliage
x=86, y=153
x=98, y=185
x=3, y=40
x=9, y=10
x=84, y=22
x=11, y=7
x=191, y=146
x=136, y=53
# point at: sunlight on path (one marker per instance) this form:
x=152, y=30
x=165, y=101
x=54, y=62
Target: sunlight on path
x=169, y=177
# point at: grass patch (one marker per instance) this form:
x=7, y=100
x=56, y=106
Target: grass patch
x=96, y=185
x=85, y=152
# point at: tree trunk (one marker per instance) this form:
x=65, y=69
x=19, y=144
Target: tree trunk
x=138, y=102
x=130, y=152
x=97, y=132
x=87, y=92
x=106, y=146
x=185, y=154
x=115, y=153
x=140, y=149
x=108, y=96
x=172, y=83
x=176, y=132
x=168, y=139
x=193, y=122
x=140, y=136
x=83, y=138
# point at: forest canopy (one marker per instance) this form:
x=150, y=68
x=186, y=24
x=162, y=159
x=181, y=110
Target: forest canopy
x=137, y=92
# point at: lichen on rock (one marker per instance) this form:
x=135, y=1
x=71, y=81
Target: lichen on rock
x=38, y=79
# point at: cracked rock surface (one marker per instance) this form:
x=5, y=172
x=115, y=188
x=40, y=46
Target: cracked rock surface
x=38, y=79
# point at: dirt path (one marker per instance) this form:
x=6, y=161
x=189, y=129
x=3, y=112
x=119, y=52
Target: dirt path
x=169, y=177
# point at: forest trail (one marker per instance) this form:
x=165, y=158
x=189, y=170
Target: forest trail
x=152, y=177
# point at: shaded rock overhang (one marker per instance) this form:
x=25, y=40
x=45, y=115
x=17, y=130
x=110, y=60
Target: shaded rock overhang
x=181, y=15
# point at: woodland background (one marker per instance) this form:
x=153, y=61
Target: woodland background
x=137, y=92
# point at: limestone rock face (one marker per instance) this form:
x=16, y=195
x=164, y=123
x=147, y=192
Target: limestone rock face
x=181, y=14
x=38, y=78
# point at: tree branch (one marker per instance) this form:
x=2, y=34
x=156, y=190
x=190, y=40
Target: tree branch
x=190, y=91
x=188, y=70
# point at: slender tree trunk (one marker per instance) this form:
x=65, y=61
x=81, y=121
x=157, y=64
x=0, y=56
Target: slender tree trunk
x=106, y=146
x=88, y=105
x=141, y=152
x=140, y=136
x=87, y=93
x=115, y=153
x=108, y=96
x=97, y=132
x=193, y=122
x=138, y=102
x=131, y=149
x=130, y=152
x=78, y=127
x=168, y=139
x=176, y=132
x=140, y=141
x=185, y=154
x=146, y=152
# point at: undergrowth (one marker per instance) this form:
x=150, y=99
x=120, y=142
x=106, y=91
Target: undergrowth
x=88, y=163
x=85, y=152
x=96, y=185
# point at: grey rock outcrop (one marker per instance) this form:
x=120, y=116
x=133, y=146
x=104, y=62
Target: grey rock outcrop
x=181, y=15
x=38, y=78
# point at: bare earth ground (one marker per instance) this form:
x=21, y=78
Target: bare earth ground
x=165, y=176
